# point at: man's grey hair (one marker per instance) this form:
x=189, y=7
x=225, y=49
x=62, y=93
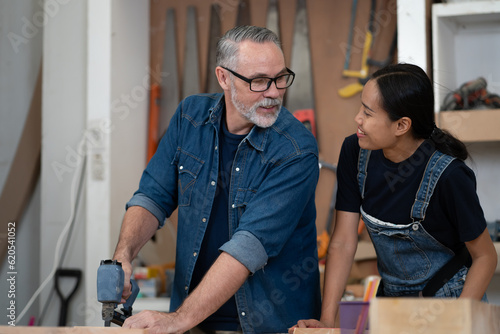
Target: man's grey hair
x=228, y=45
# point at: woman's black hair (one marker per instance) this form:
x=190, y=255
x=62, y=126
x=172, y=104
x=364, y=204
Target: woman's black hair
x=406, y=91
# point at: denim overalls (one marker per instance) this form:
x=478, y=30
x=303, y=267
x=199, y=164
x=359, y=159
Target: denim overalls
x=408, y=256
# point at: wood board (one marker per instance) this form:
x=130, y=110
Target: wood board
x=69, y=330
x=433, y=316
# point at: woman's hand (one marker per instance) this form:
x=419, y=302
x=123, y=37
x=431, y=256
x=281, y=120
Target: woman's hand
x=310, y=323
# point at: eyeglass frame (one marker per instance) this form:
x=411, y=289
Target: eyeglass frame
x=271, y=80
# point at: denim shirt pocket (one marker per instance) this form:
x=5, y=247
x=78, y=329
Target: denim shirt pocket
x=188, y=167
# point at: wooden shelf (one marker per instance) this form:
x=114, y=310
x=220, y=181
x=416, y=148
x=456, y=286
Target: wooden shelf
x=472, y=125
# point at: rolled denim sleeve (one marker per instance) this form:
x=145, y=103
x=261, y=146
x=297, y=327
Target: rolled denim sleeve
x=247, y=249
x=145, y=202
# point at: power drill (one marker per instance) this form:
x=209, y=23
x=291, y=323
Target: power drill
x=110, y=278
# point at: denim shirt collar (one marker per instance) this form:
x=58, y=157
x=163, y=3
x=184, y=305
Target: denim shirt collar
x=257, y=137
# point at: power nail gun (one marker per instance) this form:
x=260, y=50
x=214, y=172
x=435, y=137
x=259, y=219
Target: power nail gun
x=110, y=278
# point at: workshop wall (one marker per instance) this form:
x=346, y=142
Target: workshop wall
x=19, y=66
x=329, y=23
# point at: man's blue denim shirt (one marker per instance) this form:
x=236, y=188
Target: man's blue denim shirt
x=272, y=210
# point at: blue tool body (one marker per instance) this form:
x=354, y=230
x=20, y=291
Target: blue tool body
x=110, y=282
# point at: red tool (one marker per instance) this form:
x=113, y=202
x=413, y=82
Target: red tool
x=154, y=116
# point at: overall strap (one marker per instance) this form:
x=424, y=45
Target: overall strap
x=433, y=171
x=364, y=156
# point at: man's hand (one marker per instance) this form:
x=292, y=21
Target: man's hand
x=311, y=323
x=127, y=287
x=156, y=322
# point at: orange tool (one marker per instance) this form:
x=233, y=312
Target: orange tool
x=154, y=116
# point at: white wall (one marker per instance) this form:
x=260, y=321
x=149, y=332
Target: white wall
x=63, y=122
x=95, y=52
x=20, y=55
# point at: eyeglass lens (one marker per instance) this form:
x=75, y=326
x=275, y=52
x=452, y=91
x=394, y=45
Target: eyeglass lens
x=262, y=84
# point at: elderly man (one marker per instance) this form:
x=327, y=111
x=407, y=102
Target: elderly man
x=242, y=172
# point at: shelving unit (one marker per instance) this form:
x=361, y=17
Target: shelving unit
x=472, y=125
x=466, y=45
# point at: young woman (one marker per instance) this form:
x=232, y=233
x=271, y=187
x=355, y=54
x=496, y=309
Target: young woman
x=408, y=181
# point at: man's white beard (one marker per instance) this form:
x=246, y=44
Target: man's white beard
x=250, y=113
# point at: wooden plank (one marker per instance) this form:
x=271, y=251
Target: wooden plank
x=69, y=330
x=24, y=171
x=316, y=331
x=472, y=125
x=433, y=316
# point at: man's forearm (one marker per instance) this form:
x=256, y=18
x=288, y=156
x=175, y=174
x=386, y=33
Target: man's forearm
x=220, y=283
x=138, y=226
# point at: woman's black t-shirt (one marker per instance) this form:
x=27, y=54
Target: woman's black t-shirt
x=454, y=214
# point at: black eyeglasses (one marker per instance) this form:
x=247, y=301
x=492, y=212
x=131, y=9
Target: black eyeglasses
x=261, y=84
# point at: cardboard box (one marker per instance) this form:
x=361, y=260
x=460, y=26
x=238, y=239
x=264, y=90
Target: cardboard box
x=69, y=330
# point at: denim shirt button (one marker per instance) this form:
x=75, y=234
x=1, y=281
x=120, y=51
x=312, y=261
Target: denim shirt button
x=414, y=227
x=204, y=220
x=181, y=167
x=216, y=147
x=233, y=206
x=212, y=183
x=194, y=254
x=243, y=314
x=186, y=287
x=237, y=169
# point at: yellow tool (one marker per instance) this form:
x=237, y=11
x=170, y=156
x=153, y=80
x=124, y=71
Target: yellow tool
x=363, y=72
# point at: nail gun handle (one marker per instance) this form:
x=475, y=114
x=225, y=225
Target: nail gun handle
x=127, y=306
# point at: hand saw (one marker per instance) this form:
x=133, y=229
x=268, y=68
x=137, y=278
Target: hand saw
x=300, y=95
x=212, y=85
x=191, y=73
x=170, y=80
x=243, y=17
x=363, y=72
x=272, y=22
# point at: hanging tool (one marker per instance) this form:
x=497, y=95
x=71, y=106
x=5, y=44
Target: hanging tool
x=170, y=82
x=357, y=87
x=191, y=78
x=110, y=279
x=306, y=116
x=154, y=114
x=300, y=95
x=243, y=16
x=212, y=85
x=272, y=22
x=351, y=31
x=60, y=273
x=363, y=72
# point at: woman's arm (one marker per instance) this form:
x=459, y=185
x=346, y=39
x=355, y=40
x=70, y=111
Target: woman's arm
x=484, y=262
x=340, y=257
x=339, y=261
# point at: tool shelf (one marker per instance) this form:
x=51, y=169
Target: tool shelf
x=466, y=45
